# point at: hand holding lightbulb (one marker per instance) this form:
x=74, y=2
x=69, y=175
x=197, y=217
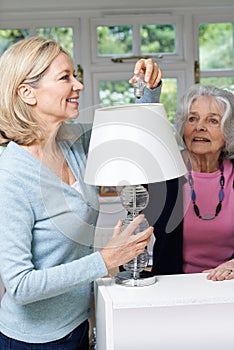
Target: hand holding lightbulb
x=146, y=73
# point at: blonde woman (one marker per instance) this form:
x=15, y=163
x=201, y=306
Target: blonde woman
x=48, y=214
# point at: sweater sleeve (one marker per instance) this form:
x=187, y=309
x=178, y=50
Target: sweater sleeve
x=24, y=283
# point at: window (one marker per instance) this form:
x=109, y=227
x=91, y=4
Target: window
x=64, y=35
x=137, y=35
x=158, y=39
x=215, y=47
x=123, y=41
x=107, y=45
x=11, y=36
x=169, y=97
x=115, y=92
x=114, y=40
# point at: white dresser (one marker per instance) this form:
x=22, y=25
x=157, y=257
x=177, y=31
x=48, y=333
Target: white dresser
x=179, y=312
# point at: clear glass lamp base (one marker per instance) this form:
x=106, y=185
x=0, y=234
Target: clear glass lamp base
x=134, y=199
x=125, y=278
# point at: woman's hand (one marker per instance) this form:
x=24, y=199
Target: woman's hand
x=222, y=272
x=151, y=71
x=125, y=245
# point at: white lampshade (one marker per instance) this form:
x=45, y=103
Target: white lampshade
x=132, y=144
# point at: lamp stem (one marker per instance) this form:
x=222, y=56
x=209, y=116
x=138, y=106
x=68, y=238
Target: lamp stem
x=135, y=272
x=134, y=204
x=134, y=199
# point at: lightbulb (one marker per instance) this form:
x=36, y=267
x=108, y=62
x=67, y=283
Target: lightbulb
x=139, y=86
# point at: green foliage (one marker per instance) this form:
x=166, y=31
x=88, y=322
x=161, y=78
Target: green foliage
x=118, y=39
x=114, y=40
x=221, y=82
x=62, y=35
x=116, y=92
x=169, y=97
x=10, y=36
x=157, y=38
x=216, y=46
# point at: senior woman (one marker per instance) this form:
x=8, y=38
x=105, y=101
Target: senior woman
x=194, y=215
x=48, y=213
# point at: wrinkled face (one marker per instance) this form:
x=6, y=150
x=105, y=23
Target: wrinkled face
x=202, y=131
x=58, y=91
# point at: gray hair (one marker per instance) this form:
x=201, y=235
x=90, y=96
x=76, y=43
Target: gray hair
x=224, y=99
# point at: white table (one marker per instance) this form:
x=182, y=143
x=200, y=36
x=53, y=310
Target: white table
x=178, y=312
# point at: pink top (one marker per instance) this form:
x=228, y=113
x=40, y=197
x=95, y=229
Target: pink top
x=208, y=243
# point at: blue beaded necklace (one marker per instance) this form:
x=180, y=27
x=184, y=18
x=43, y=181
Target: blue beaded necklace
x=193, y=193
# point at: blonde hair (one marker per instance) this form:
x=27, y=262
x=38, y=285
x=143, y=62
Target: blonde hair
x=24, y=62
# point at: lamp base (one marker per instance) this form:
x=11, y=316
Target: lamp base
x=124, y=278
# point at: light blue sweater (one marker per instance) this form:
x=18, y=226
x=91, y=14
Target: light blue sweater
x=47, y=228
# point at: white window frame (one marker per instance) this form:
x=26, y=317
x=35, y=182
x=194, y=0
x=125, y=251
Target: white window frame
x=33, y=24
x=136, y=21
x=96, y=68
x=198, y=19
x=180, y=76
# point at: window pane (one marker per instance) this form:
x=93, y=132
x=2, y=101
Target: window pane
x=120, y=92
x=62, y=35
x=115, y=40
x=216, y=46
x=169, y=97
x=223, y=83
x=11, y=36
x=115, y=92
x=157, y=38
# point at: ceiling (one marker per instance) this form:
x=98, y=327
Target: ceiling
x=24, y=5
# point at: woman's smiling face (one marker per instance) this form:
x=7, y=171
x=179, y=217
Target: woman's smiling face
x=58, y=92
x=202, y=131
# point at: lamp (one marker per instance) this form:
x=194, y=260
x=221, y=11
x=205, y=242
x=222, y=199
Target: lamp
x=132, y=145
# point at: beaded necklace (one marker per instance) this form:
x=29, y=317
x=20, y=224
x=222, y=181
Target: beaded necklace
x=193, y=193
